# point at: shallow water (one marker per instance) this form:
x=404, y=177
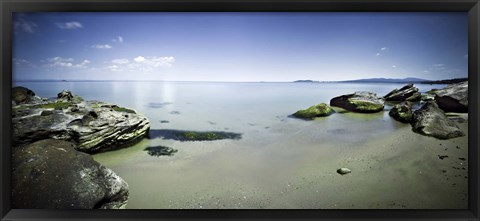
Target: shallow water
x=256, y=171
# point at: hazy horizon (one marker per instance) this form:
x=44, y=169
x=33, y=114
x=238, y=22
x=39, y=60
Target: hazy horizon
x=239, y=47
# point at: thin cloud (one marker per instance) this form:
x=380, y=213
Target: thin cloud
x=21, y=24
x=23, y=62
x=60, y=62
x=69, y=25
x=383, y=49
x=119, y=39
x=141, y=63
x=100, y=46
x=465, y=56
x=120, y=61
x=394, y=66
x=438, y=65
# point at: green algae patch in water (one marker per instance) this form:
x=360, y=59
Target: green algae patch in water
x=158, y=151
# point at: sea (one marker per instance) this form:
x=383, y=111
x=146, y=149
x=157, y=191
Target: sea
x=250, y=172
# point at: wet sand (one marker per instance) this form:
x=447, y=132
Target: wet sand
x=292, y=165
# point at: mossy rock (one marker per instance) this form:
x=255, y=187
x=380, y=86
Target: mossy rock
x=56, y=105
x=122, y=109
x=402, y=112
x=361, y=101
x=366, y=106
x=319, y=110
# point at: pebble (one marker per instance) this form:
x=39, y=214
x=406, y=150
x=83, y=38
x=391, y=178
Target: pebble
x=343, y=171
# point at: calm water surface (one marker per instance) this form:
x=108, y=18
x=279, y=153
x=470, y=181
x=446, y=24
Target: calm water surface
x=245, y=173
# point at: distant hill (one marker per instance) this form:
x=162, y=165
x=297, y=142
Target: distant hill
x=448, y=81
x=306, y=81
x=387, y=80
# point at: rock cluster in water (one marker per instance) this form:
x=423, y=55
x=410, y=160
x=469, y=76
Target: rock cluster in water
x=429, y=120
x=49, y=136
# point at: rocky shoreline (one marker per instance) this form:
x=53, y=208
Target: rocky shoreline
x=52, y=140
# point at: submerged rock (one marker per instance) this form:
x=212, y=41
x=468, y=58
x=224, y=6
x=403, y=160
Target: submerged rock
x=430, y=120
x=160, y=151
x=362, y=102
x=319, y=110
x=407, y=93
x=453, y=98
x=92, y=125
x=402, y=112
x=50, y=174
x=343, y=171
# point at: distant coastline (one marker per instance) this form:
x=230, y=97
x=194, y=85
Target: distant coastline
x=368, y=80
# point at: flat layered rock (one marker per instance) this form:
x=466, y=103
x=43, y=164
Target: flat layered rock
x=407, y=93
x=362, y=102
x=430, y=120
x=51, y=174
x=93, y=126
x=453, y=98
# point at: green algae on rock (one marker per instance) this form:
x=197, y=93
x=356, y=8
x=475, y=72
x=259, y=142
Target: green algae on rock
x=402, y=112
x=319, y=110
x=94, y=126
x=361, y=101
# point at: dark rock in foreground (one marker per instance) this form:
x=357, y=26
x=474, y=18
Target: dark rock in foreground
x=50, y=174
x=362, y=102
x=92, y=125
x=407, y=93
x=402, y=112
x=22, y=95
x=430, y=120
x=319, y=110
x=453, y=98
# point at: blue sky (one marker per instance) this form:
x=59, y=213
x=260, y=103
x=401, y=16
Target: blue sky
x=239, y=46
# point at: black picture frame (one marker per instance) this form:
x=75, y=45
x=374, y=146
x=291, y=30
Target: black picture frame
x=9, y=6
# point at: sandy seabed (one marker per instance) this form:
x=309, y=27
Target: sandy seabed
x=397, y=170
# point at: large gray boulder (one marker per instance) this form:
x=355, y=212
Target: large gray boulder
x=361, y=101
x=93, y=126
x=453, y=98
x=402, y=112
x=430, y=120
x=407, y=93
x=50, y=174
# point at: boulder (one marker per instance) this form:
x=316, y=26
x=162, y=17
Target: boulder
x=453, y=98
x=407, y=93
x=69, y=97
x=51, y=174
x=362, y=102
x=93, y=126
x=430, y=120
x=402, y=112
x=22, y=95
x=319, y=110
